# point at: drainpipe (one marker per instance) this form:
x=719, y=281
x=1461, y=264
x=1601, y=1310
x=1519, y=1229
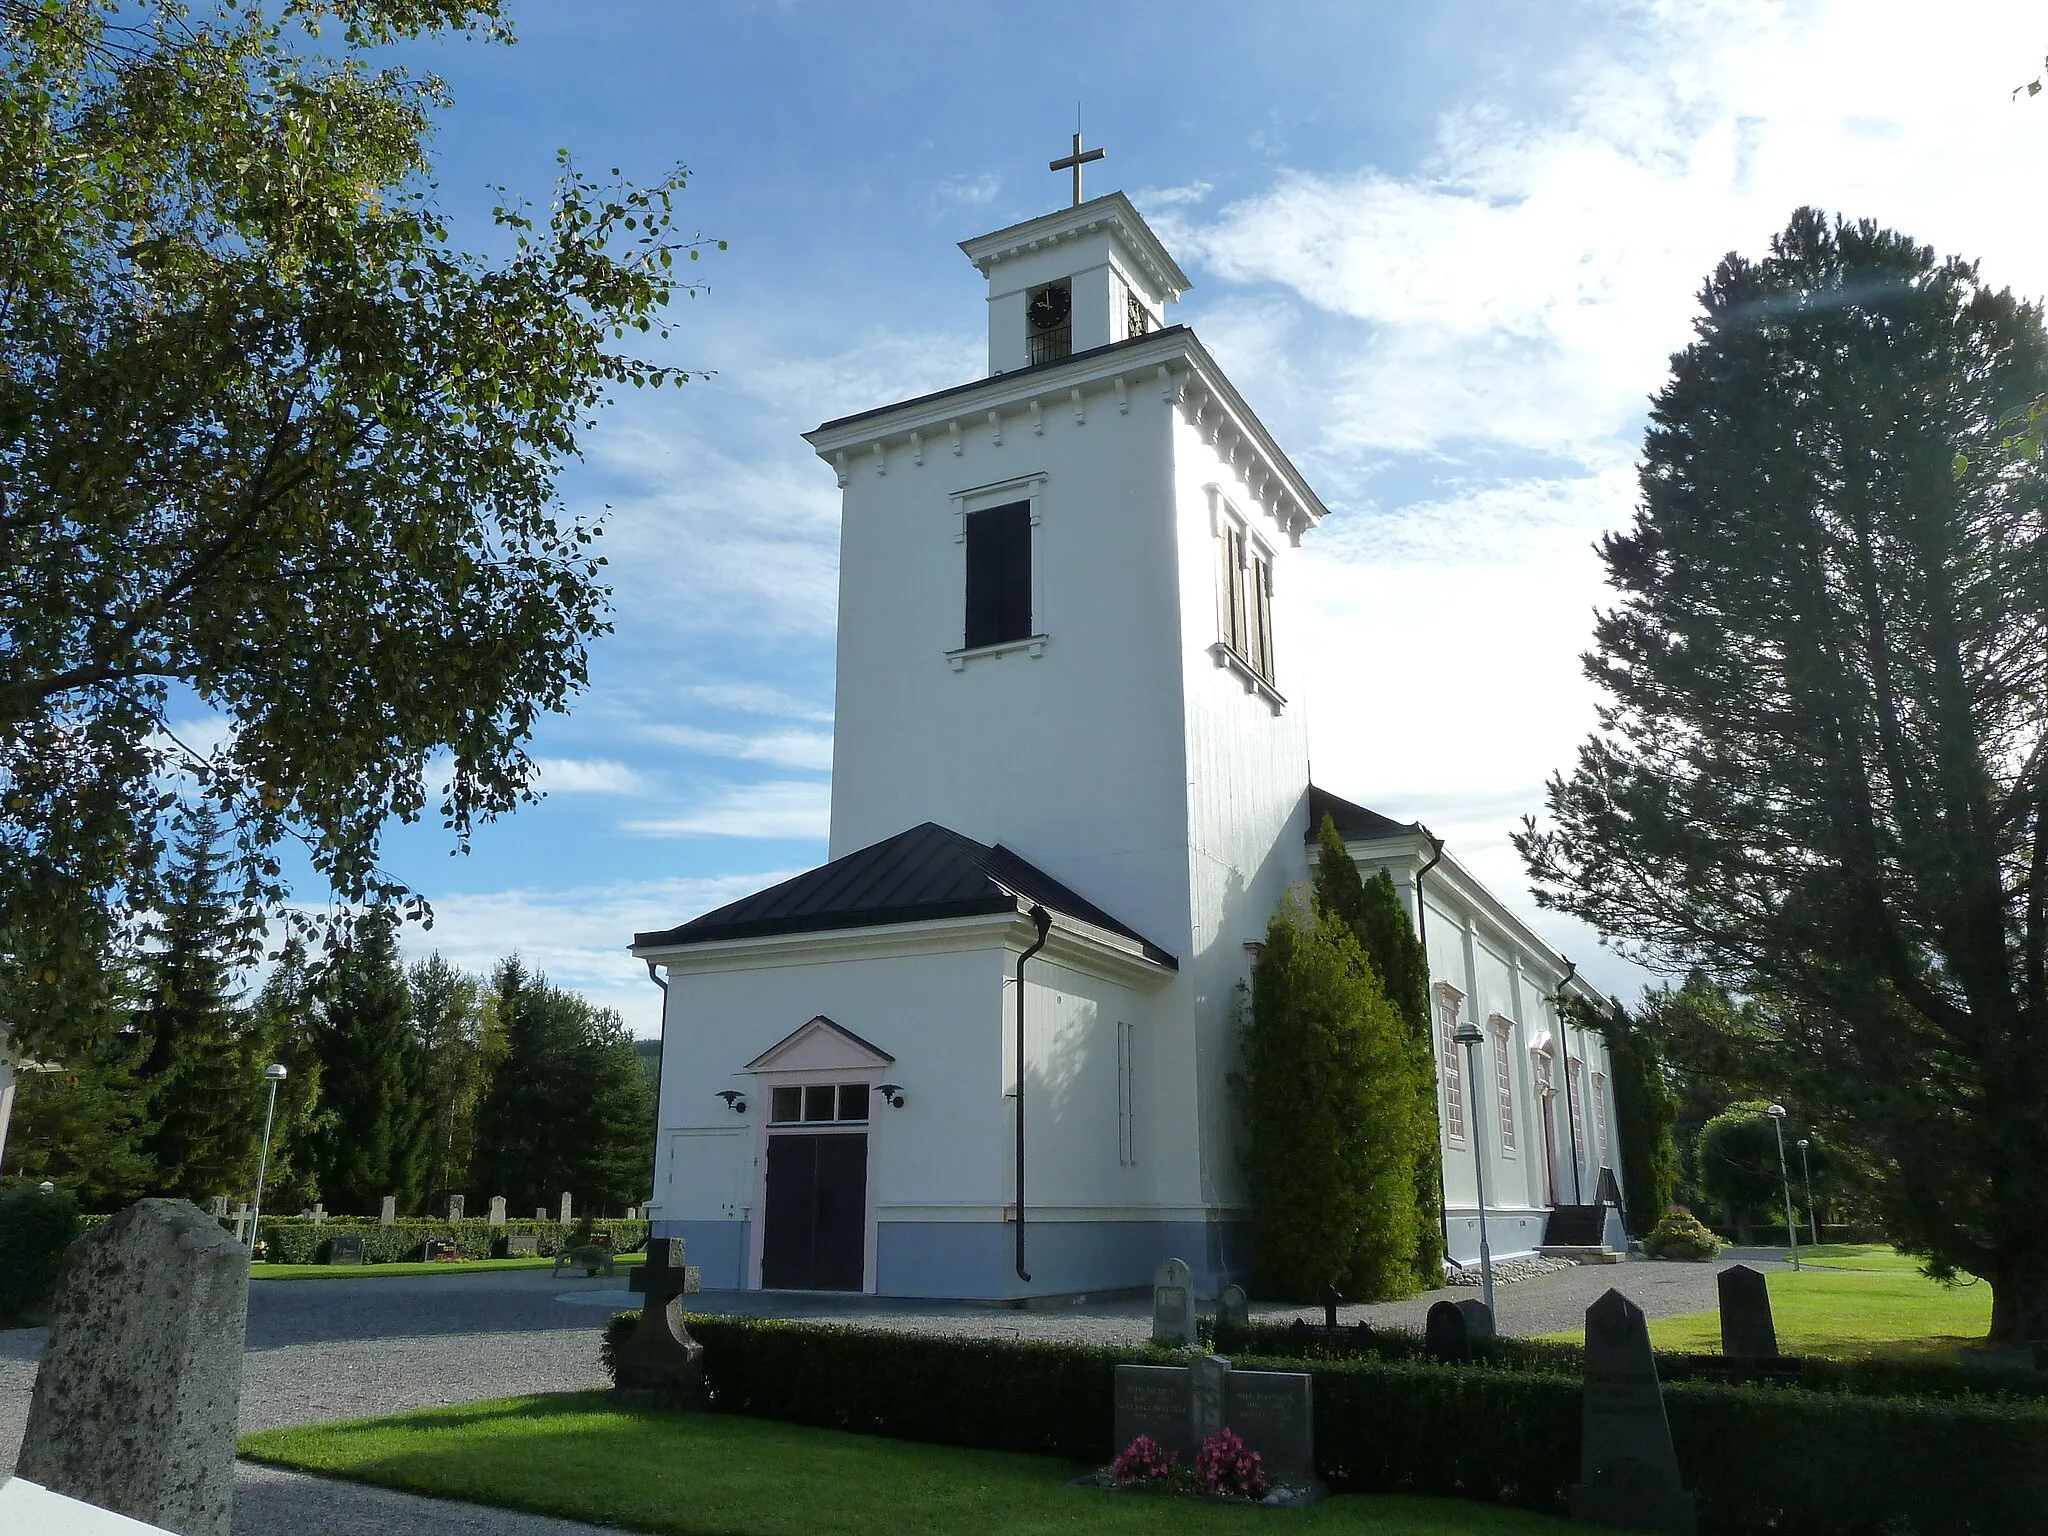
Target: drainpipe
x=654, y=976
x=1043, y=919
x=654, y=1173
x=1436, y=844
x=1564, y=1049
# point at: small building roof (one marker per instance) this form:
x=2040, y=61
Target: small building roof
x=925, y=874
x=1355, y=824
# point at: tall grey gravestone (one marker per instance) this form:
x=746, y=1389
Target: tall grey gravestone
x=388, y=1215
x=565, y=1207
x=139, y=1392
x=1628, y=1474
x=1233, y=1309
x=1173, y=1303
x=497, y=1210
x=455, y=1205
x=1747, y=1332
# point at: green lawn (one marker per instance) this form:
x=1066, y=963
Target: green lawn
x=575, y=1456
x=1853, y=1300
x=387, y=1271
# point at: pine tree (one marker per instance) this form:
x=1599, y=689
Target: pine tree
x=1372, y=910
x=371, y=1078
x=1325, y=1092
x=205, y=1101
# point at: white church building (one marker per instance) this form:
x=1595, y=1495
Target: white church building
x=1070, y=748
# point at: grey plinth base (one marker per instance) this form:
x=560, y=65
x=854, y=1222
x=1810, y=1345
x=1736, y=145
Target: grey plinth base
x=660, y=1365
x=1627, y=1503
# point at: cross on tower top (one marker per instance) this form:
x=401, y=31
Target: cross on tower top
x=1074, y=162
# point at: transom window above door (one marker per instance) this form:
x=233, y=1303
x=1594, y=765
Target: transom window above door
x=818, y=1104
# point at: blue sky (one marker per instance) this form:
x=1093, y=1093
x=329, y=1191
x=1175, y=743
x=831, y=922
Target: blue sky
x=1444, y=251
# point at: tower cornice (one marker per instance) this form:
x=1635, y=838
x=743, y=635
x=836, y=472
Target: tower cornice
x=1173, y=361
x=1112, y=212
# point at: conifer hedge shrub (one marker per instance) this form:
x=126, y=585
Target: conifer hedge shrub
x=35, y=1229
x=1833, y=1463
x=296, y=1240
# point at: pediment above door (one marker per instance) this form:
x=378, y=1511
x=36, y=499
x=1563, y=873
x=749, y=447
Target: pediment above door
x=820, y=1046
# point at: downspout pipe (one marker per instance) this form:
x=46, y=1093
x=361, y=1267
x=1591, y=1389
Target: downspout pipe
x=1436, y=857
x=655, y=976
x=1043, y=920
x=1564, y=1049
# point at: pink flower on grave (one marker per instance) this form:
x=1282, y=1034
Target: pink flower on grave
x=1224, y=1465
x=1143, y=1460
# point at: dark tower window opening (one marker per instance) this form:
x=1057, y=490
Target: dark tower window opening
x=998, y=575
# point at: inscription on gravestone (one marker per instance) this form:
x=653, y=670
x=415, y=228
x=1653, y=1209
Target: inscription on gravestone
x=345, y=1248
x=1274, y=1413
x=1154, y=1400
x=1173, y=1303
x=1179, y=1406
x=1628, y=1470
x=522, y=1245
x=1747, y=1332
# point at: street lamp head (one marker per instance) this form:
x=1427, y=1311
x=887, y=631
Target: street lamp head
x=1776, y=1111
x=1802, y=1143
x=276, y=1072
x=1468, y=1034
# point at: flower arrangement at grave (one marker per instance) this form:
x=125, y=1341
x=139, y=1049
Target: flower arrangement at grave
x=1142, y=1463
x=1681, y=1235
x=1227, y=1468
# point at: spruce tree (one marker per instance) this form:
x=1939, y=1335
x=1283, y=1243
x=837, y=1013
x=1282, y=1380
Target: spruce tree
x=456, y=1058
x=206, y=1104
x=1326, y=1097
x=1372, y=910
x=1645, y=1111
x=375, y=1144
x=285, y=1021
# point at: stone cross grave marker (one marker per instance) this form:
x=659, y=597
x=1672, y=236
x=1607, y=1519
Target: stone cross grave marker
x=660, y=1363
x=345, y=1248
x=1179, y=1406
x=497, y=1210
x=566, y=1207
x=1747, y=1332
x=1628, y=1471
x=319, y=1213
x=1332, y=1299
x=455, y=1207
x=1173, y=1303
x=138, y=1395
x=1233, y=1309
x=387, y=1216
x=241, y=1223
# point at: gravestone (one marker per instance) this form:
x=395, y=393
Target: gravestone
x=1173, y=1303
x=1628, y=1474
x=1233, y=1309
x=455, y=1206
x=138, y=1395
x=693, y=1279
x=388, y=1215
x=565, y=1207
x=522, y=1245
x=345, y=1248
x=1478, y=1318
x=217, y=1207
x=497, y=1210
x=1447, y=1334
x=1180, y=1406
x=660, y=1364
x=1208, y=1385
x=241, y=1223
x=1332, y=1298
x=319, y=1213
x=1747, y=1332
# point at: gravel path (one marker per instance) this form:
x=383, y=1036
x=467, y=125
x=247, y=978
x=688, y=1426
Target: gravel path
x=320, y=1350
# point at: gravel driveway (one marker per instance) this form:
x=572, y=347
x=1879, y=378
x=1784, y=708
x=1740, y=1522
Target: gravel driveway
x=337, y=1349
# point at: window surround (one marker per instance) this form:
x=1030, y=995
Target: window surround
x=1031, y=488
x=1451, y=1077
x=1127, y=1093
x=1502, y=1028
x=1225, y=518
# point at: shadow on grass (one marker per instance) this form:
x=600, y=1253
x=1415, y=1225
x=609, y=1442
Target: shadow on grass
x=577, y=1457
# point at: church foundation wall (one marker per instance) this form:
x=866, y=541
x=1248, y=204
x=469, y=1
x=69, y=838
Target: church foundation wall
x=977, y=1260
x=717, y=1248
x=1513, y=1234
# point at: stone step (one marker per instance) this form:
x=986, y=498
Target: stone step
x=1580, y=1253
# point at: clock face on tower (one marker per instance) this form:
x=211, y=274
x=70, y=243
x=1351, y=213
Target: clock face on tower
x=1049, y=308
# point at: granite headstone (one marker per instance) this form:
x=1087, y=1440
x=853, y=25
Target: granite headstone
x=387, y=1215
x=1208, y=1389
x=139, y=1391
x=522, y=1245
x=1173, y=1303
x=659, y=1363
x=497, y=1210
x=345, y=1248
x=1628, y=1474
x=1180, y=1406
x=1478, y=1318
x=567, y=1206
x=1447, y=1334
x=1233, y=1309
x=1747, y=1331
x=1274, y=1413
x=456, y=1204
x=1153, y=1400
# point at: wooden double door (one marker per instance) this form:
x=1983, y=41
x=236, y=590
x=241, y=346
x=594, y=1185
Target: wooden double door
x=816, y=1216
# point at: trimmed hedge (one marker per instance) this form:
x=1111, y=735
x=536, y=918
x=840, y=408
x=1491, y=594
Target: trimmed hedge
x=1824, y=1463
x=296, y=1240
x=35, y=1229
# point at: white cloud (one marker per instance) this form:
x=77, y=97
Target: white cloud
x=780, y=808
x=970, y=191
x=587, y=776
x=757, y=699
x=784, y=749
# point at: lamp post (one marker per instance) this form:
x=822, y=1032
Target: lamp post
x=1777, y=1114
x=1469, y=1037
x=275, y=1072
x=1812, y=1215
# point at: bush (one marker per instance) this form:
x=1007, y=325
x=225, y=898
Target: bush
x=1385, y=1425
x=296, y=1240
x=35, y=1229
x=1680, y=1235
